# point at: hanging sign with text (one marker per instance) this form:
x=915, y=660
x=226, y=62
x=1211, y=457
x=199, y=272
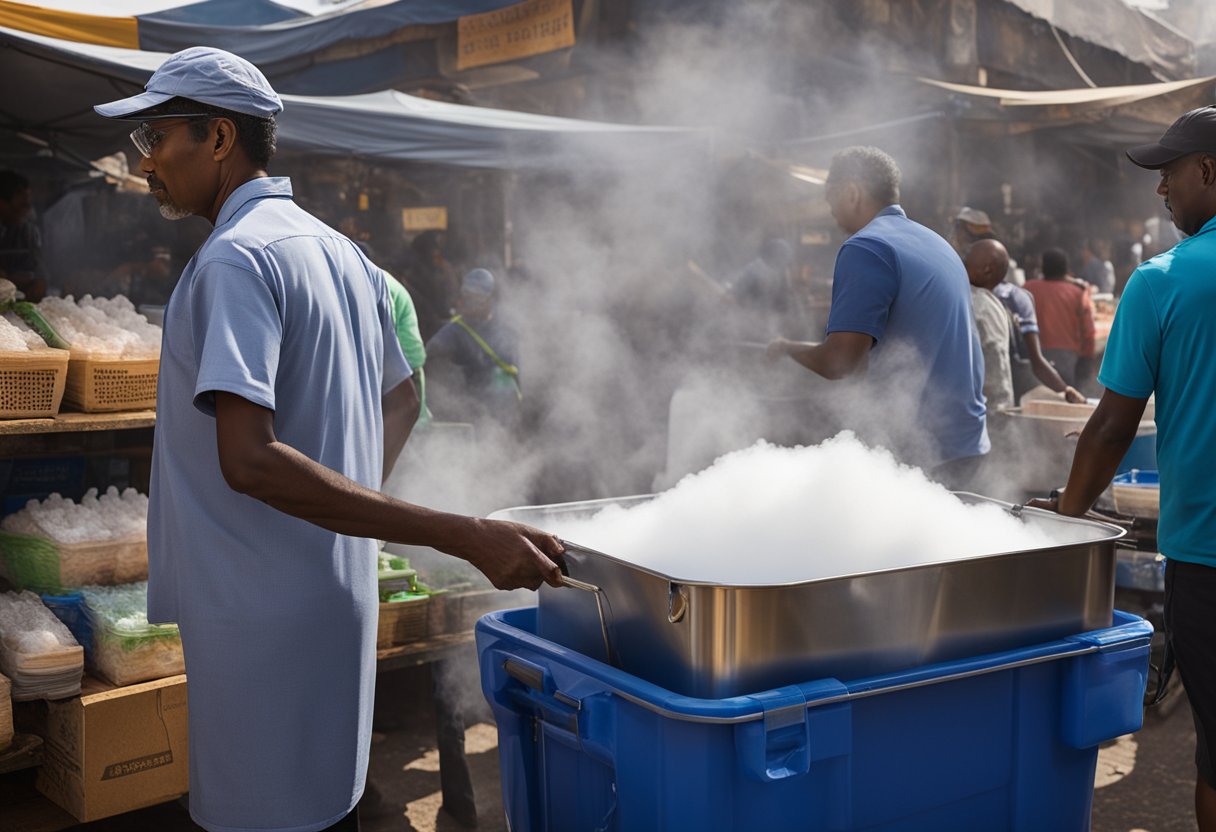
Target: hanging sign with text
x=424, y=219
x=520, y=31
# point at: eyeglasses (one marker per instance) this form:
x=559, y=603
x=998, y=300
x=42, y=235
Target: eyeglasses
x=145, y=136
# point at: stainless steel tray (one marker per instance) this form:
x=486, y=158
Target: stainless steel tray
x=714, y=641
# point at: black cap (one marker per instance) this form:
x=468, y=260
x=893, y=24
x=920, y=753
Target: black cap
x=1195, y=132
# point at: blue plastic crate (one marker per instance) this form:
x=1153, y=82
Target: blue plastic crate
x=70, y=609
x=1006, y=741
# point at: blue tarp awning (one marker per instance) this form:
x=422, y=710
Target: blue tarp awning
x=291, y=41
x=62, y=80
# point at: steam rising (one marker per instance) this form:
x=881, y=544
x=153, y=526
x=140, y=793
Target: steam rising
x=769, y=515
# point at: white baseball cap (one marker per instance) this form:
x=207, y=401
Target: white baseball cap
x=207, y=75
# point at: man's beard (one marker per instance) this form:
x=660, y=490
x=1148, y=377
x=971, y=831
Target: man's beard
x=172, y=211
x=169, y=209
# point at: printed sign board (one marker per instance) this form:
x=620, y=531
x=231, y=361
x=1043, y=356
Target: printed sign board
x=424, y=219
x=520, y=31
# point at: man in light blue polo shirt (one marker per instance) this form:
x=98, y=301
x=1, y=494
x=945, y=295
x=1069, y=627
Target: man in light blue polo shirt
x=1163, y=342
x=901, y=316
x=283, y=401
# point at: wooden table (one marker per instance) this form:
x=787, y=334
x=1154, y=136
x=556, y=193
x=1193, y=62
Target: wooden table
x=79, y=423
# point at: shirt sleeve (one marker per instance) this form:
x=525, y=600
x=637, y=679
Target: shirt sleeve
x=1133, y=351
x=1028, y=318
x=405, y=322
x=237, y=335
x=864, y=285
x=396, y=367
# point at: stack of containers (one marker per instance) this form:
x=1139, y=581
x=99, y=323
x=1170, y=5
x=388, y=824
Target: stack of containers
x=57, y=544
x=125, y=648
x=115, y=352
x=37, y=653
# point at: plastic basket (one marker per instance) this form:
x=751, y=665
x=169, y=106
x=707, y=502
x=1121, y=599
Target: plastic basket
x=43, y=565
x=99, y=384
x=32, y=383
x=1004, y=741
x=6, y=713
x=403, y=621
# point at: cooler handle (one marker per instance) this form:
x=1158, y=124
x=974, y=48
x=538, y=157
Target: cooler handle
x=601, y=607
x=779, y=745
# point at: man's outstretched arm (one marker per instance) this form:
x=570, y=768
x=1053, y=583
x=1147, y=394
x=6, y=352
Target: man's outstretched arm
x=256, y=464
x=842, y=354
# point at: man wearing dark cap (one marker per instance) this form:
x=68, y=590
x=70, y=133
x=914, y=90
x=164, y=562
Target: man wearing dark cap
x=283, y=401
x=1162, y=343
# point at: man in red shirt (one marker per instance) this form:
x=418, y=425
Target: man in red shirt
x=1066, y=317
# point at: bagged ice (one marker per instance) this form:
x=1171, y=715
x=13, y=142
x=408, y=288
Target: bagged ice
x=112, y=516
x=108, y=327
x=16, y=336
x=126, y=648
x=769, y=515
x=37, y=652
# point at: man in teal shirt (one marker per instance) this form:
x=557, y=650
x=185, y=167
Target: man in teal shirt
x=1163, y=342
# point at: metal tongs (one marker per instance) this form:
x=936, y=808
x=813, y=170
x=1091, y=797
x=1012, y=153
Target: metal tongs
x=601, y=599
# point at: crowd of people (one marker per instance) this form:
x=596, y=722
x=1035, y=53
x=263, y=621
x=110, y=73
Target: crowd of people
x=900, y=290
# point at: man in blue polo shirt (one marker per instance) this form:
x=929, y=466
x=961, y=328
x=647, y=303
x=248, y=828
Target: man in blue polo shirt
x=901, y=316
x=1163, y=342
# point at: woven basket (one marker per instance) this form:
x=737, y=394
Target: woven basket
x=6, y=713
x=402, y=622
x=42, y=565
x=99, y=384
x=32, y=383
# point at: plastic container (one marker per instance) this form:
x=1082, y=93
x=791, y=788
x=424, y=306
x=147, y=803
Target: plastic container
x=1144, y=571
x=70, y=609
x=37, y=653
x=1005, y=741
x=1137, y=493
x=125, y=648
x=43, y=565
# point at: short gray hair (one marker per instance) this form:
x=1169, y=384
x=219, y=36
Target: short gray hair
x=873, y=169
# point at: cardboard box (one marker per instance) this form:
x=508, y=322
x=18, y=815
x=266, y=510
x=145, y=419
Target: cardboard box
x=113, y=750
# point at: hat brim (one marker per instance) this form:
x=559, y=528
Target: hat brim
x=128, y=107
x=1153, y=156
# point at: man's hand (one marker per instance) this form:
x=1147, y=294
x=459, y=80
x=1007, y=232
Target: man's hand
x=1046, y=503
x=777, y=348
x=513, y=555
x=1073, y=395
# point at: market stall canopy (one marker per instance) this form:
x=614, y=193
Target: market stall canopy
x=260, y=30
x=1102, y=116
x=363, y=45
x=1134, y=33
x=62, y=81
